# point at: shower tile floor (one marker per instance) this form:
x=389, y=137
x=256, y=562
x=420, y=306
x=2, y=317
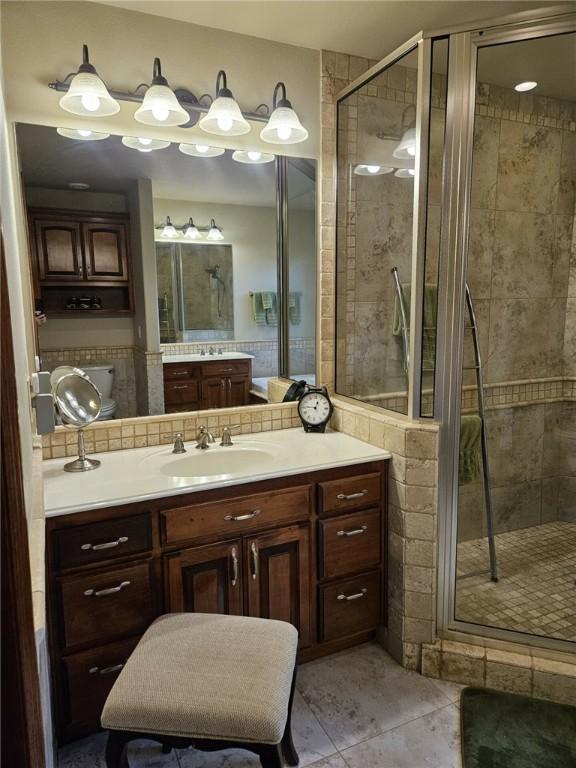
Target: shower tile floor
x=536, y=591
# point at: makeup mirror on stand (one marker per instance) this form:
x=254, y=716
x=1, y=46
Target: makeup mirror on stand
x=78, y=403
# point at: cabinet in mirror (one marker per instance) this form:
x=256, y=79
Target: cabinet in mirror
x=158, y=271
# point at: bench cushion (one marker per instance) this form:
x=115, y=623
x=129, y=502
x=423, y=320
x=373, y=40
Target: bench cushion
x=207, y=676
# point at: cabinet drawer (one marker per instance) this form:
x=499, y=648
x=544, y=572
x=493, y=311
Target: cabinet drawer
x=226, y=368
x=236, y=516
x=96, y=542
x=99, y=607
x=351, y=493
x=176, y=371
x=349, y=543
x=350, y=606
x=180, y=392
x=89, y=678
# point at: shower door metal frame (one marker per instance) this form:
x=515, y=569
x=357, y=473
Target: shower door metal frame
x=457, y=181
x=423, y=47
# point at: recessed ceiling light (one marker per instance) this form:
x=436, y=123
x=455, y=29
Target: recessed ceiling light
x=527, y=85
x=78, y=185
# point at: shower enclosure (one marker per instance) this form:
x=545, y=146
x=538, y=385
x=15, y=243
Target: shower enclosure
x=456, y=300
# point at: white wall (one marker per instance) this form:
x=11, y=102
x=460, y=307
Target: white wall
x=251, y=230
x=75, y=200
x=42, y=41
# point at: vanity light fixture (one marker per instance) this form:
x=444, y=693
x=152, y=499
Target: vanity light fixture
x=405, y=173
x=372, y=170
x=527, y=85
x=201, y=150
x=224, y=118
x=82, y=134
x=160, y=105
x=144, y=145
x=169, y=230
x=252, y=157
x=191, y=232
x=87, y=94
x=284, y=126
x=214, y=232
x=406, y=149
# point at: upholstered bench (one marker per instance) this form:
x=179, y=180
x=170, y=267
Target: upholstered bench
x=208, y=681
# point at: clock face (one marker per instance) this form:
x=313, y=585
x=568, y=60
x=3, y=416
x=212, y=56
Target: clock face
x=314, y=408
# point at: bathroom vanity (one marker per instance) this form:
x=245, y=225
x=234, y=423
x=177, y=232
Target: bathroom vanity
x=303, y=542
x=202, y=382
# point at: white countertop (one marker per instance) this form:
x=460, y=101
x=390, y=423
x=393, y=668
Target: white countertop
x=199, y=358
x=139, y=474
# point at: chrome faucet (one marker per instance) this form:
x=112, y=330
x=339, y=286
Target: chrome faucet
x=203, y=438
x=178, y=444
x=211, y=351
x=227, y=435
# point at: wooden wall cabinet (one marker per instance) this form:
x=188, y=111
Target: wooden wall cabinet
x=211, y=384
x=76, y=253
x=308, y=549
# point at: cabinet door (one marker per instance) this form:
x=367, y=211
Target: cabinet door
x=105, y=252
x=238, y=390
x=206, y=579
x=58, y=250
x=277, y=570
x=214, y=393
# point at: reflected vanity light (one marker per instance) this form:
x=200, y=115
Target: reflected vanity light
x=371, y=170
x=144, y=145
x=201, y=150
x=169, y=230
x=214, y=232
x=160, y=105
x=406, y=150
x=87, y=94
x=191, y=231
x=252, y=157
x=82, y=134
x=224, y=118
x=284, y=126
x=405, y=173
x=527, y=85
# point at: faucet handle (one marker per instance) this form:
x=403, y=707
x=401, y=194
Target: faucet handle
x=178, y=444
x=227, y=435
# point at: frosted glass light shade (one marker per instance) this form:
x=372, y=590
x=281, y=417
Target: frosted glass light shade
x=407, y=147
x=169, y=230
x=82, y=134
x=405, y=173
x=224, y=118
x=283, y=127
x=160, y=107
x=214, y=232
x=252, y=157
x=191, y=232
x=88, y=97
x=372, y=170
x=144, y=145
x=201, y=150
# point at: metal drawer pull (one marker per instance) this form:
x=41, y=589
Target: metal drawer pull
x=240, y=518
x=104, y=592
x=106, y=670
x=234, y=567
x=355, y=532
x=254, y=550
x=179, y=373
x=180, y=386
x=350, y=496
x=357, y=596
x=106, y=545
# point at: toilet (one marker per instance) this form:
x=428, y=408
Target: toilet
x=102, y=376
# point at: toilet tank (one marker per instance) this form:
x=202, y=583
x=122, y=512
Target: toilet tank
x=102, y=376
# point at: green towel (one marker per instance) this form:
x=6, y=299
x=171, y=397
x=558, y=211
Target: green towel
x=294, y=307
x=429, y=332
x=270, y=307
x=469, y=467
x=258, y=310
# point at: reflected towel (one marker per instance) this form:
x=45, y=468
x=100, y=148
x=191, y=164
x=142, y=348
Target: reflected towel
x=258, y=310
x=469, y=467
x=270, y=307
x=294, y=308
x=429, y=319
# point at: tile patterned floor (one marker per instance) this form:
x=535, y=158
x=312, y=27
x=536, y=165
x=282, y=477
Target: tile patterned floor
x=355, y=709
x=536, y=591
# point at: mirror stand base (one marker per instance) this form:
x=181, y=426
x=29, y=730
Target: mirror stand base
x=81, y=465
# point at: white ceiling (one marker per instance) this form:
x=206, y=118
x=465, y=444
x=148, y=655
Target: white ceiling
x=368, y=28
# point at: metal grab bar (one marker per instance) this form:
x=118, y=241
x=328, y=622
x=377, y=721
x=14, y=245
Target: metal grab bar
x=403, y=320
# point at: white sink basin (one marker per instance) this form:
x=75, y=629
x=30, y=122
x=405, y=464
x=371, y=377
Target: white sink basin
x=213, y=462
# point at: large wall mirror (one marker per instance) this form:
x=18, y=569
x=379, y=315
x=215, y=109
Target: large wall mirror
x=179, y=277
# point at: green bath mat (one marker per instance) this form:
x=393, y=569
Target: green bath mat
x=503, y=730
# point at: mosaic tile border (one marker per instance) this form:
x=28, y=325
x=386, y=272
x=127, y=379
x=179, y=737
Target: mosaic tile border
x=75, y=354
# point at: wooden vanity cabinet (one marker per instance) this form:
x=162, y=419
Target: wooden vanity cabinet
x=308, y=549
x=203, y=386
